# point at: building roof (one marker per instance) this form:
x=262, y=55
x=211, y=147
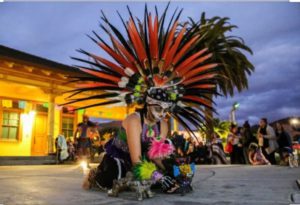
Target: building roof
x=26, y=58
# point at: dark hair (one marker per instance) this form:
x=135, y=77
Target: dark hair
x=265, y=120
x=233, y=126
x=246, y=124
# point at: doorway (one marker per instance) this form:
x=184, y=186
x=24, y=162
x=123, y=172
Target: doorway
x=39, y=136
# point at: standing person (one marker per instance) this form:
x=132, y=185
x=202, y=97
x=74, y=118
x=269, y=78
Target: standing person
x=82, y=138
x=234, y=138
x=247, y=139
x=283, y=139
x=62, y=148
x=267, y=137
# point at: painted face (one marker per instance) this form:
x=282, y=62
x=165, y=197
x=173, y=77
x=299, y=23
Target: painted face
x=157, y=112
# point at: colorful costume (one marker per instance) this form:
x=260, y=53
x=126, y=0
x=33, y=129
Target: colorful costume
x=152, y=65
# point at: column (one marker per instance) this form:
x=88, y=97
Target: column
x=51, y=117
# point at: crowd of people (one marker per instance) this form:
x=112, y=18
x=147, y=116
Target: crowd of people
x=242, y=145
x=259, y=148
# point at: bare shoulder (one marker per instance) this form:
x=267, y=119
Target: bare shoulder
x=132, y=119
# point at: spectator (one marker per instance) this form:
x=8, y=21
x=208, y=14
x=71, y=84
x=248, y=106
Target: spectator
x=236, y=156
x=247, y=139
x=84, y=129
x=267, y=138
x=71, y=150
x=62, y=148
x=283, y=139
x=255, y=155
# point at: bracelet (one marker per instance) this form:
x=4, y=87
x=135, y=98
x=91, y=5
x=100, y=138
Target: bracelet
x=156, y=175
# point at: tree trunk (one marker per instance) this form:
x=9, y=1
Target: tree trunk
x=209, y=119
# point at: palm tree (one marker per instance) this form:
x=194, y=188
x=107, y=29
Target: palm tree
x=234, y=67
x=221, y=128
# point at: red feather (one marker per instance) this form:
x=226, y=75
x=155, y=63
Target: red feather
x=109, y=64
x=198, y=99
x=123, y=50
x=115, y=55
x=190, y=59
x=137, y=42
x=173, y=49
x=93, y=85
x=151, y=36
x=169, y=40
x=101, y=75
x=198, y=78
x=184, y=49
x=204, y=86
x=188, y=74
x=194, y=63
x=155, y=55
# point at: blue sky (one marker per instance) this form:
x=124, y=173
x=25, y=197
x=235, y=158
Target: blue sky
x=271, y=29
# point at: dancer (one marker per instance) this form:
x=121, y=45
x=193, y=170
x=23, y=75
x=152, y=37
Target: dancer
x=159, y=71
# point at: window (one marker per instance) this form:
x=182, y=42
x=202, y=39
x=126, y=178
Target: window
x=10, y=110
x=68, y=126
x=10, y=124
x=41, y=108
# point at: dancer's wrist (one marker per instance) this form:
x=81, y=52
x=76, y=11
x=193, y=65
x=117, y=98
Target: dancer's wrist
x=156, y=175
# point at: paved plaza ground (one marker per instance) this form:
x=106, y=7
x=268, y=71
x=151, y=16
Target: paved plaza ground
x=61, y=184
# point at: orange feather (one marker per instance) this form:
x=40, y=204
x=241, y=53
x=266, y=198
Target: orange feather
x=198, y=70
x=198, y=99
x=93, y=85
x=169, y=40
x=204, y=86
x=151, y=35
x=101, y=75
x=115, y=55
x=184, y=49
x=198, y=78
x=195, y=63
x=123, y=50
x=173, y=49
x=139, y=48
x=109, y=64
x=190, y=59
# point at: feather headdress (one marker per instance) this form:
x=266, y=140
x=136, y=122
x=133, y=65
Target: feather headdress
x=151, y=56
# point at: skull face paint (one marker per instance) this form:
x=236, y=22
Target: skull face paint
x=157, y=112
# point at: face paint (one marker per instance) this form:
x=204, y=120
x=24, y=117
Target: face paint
x=156, y=112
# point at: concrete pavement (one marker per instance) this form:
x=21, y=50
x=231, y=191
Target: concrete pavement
x=61, y=184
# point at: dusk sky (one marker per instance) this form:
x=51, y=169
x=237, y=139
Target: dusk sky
x=271, y=29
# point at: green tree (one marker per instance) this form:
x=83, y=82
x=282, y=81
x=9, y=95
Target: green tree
x=229, y=51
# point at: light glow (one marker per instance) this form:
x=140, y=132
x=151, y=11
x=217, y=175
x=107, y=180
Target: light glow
x=84, y=165
x=294, y=121
x=27, y=121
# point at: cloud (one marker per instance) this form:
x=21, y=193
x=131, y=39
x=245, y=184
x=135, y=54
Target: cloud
x=272, y=30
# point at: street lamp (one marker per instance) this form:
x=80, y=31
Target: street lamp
x=235, y=106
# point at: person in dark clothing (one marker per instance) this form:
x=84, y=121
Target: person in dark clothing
x=234, y=138
x=247, y=139
x=83, y=141
x=267, y=139
x=283, y=139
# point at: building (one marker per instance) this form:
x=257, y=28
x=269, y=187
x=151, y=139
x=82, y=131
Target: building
x=31, y=90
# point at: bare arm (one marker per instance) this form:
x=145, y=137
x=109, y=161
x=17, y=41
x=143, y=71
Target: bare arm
x=133, y=128
x=163, y=129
